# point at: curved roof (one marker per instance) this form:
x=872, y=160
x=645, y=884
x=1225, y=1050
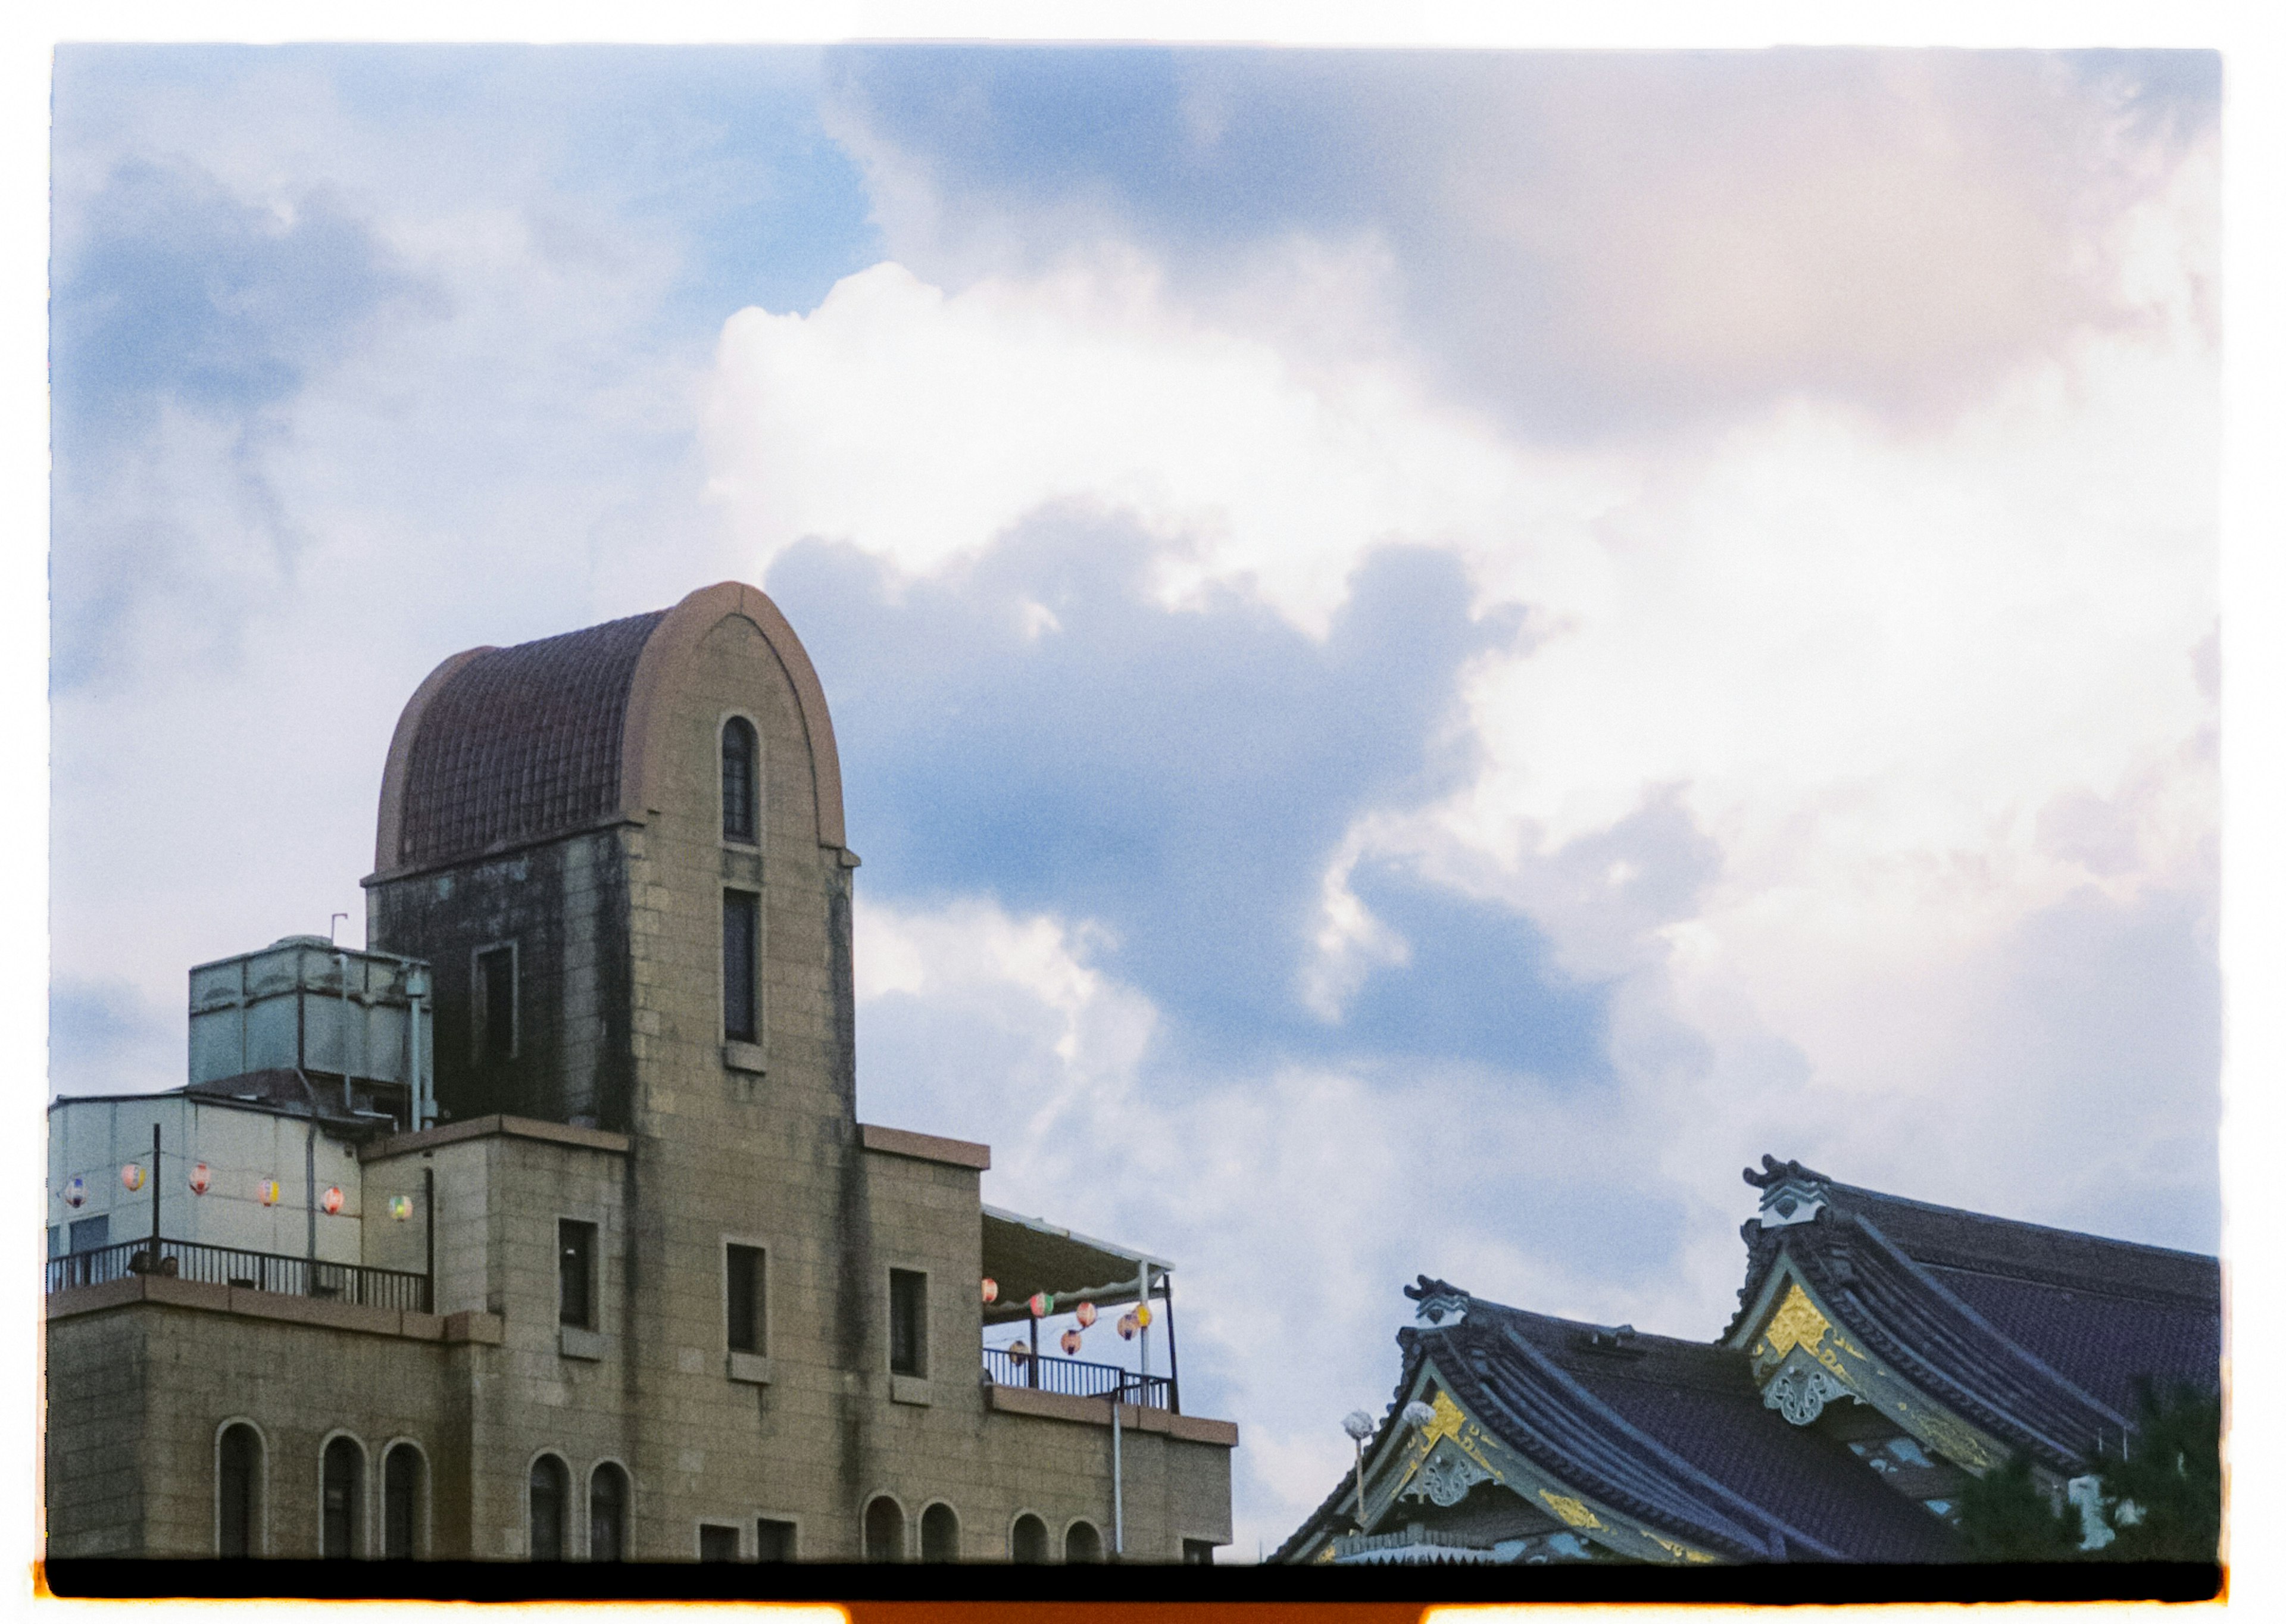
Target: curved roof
x=503, y=747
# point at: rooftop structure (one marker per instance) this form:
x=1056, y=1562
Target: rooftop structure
x=545, y=1227
x=1885, y=1350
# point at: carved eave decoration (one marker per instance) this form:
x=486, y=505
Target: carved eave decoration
x=1439, y=1464
x=1803, y=1358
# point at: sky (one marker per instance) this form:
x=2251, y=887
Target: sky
x=1433, y=651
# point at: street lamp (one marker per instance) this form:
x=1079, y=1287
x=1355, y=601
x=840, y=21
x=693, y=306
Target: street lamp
x=1359, y=1425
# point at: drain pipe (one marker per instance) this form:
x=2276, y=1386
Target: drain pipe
x=1118, y=1500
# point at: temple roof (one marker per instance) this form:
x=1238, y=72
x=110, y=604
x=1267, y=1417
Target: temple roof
x=2038, y=1335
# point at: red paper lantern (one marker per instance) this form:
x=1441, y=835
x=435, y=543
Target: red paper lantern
x=332, y=1200
x=201, y=1176
x=1086, y=1314
x=1042, y=1305
x=992, y=1290
x=1070, y=1340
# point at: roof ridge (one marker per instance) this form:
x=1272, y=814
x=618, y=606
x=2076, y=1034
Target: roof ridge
x=1996, y=1219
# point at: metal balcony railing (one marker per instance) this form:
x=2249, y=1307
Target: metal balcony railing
x=1080, y=1378
x=231, y=1265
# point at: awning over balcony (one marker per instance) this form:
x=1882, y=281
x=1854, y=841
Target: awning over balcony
x=1028, y=1255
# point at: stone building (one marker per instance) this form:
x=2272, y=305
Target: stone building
x=545, y=1226
x=1885, y=1351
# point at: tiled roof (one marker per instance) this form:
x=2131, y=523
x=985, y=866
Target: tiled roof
x=2038, y=1335
x=522, y=744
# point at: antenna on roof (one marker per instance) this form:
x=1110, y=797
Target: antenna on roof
x=332, y=929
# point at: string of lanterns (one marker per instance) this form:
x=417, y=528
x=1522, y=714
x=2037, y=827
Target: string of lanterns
x=133, y=1176
x=1041, y=1304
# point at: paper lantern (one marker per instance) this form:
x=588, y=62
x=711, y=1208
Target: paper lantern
x=1043, y=1304
x=1086, y=1313
x=992, y=1290
x=132, y=1175
x=201, y=1176
x=1018, y=1351
x=1143, y=1315
x=332, y=1199
x=400, y=1207
x=267, y=1190
x=1127, y=1326
x=1070, y=1340
x=75, y=1192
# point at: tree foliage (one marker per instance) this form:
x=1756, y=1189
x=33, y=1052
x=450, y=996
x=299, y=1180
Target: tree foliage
x=2007, y=1516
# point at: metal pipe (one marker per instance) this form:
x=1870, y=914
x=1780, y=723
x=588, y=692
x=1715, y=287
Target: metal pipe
x=429, y=1206
x=1174, y=1375
x=1033, y=1363
x=155, y=1182
x=1143, y=1335
x=1118, y=1501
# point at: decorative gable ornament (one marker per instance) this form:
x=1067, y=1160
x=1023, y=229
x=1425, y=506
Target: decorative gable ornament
x=1437, y=1306
x=1790, y=1202
x=1802, y=1390
x=1447, y=1479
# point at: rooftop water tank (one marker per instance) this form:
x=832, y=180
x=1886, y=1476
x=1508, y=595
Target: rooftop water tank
x=303, y=1004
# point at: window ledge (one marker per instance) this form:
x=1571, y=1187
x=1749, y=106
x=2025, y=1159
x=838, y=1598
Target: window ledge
x=910, y=1390
x=753, y=1367
x=574, y=1342
x=743, y=1057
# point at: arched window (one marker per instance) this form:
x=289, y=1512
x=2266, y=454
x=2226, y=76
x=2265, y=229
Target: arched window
x=238, y=1492
x=550, y=1487
x=343, y=1498
x=885, y=1531
x=403, y=1474
x=1083, y=1543
x=1028, y=1542
x=607, y=1514
x=940, y=1533
x=740, y=752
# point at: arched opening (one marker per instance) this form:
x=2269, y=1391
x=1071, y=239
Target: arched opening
x=607, y=1514
x=238, y=1492
x=403, y=1486
x=342, y=1499
x=885, y=1531
x=940, y=1533
x=550, y=1487
x=740, y=752
x=1027, y=1541
x=1083, y=1543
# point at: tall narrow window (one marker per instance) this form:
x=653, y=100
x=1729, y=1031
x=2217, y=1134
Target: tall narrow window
x=575, y=1273
x=1083, y=1543
x=549, y=1489
x=607, y=1514
x=741, y=1003
x=400, y=1503
x=1027, y=1541
x=739, y=779
x=495, y=1003
x=908, y=1322
x=742, y=1298
x=340, y=1482
x=238, y=1488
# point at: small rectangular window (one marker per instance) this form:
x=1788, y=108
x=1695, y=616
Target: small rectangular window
x=741, y=1003
x=1199, y=1553
x=575, y=1272
x=717, y=1543
x=908, y=1322
x=495, y=1003
x=773, y=1540
x=90, y=1234
x=744, y=1288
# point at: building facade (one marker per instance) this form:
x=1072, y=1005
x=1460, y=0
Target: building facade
x=545, y=1226
x=1884, y=1353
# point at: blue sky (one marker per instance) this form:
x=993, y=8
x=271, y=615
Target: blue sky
x=1431, y=651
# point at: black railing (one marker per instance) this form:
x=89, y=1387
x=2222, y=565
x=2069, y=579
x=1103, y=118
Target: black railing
x=1080, y=1378
x=231, y=1265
